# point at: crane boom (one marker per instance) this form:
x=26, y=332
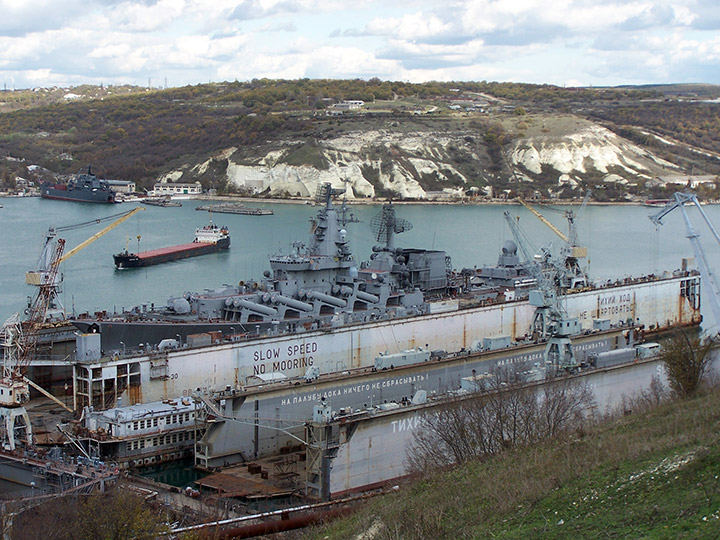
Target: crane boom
x=553, y=228
x=519, y=239
x=95, y=236
x=678, y=201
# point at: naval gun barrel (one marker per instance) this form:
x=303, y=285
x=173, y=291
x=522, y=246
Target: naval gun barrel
x=362, y=295
x=338, y=302
x=297, y=304
x=257, y=308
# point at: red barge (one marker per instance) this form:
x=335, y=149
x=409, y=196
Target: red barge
x=208, y=239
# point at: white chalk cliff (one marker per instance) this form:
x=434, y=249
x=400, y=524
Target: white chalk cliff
x=420, y=165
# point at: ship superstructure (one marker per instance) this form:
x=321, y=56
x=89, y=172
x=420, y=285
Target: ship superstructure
x=84, y=187
x=315, y=286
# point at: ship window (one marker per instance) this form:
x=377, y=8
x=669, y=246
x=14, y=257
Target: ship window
x=142, y=424
x=155, y=441
x=135, y=425
x=155, y=422
x=142, y=444
x=128, y=446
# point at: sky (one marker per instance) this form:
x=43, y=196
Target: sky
x=46, y=43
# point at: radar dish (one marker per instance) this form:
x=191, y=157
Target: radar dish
x=325, y=192
x=385, y=225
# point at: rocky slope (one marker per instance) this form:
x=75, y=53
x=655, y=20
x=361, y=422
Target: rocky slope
x=431, y=164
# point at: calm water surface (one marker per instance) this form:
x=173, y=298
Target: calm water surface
x=621, y=240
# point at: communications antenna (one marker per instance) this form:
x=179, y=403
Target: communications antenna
x=385, y=225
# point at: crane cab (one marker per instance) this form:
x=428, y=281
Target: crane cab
x=13, y=393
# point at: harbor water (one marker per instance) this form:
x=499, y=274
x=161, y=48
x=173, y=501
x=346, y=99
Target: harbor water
x=621, y=240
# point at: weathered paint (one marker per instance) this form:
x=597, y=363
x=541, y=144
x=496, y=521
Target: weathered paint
x=653, y=303
x=357, y=464
x=357, y=391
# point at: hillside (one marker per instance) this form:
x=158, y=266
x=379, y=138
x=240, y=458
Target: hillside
x=646, y=475
x=411, y=141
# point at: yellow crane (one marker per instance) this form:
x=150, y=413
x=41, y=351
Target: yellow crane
x=86, y=243
x=47, y=279
x=573, y=250
x=553, y=228
x=41, y=275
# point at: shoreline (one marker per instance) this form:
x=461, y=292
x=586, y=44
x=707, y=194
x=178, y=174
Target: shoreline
x=370, y=202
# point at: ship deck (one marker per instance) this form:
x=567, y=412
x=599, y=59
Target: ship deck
x=170, y=250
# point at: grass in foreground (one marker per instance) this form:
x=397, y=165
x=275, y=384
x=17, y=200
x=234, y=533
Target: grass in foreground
x=649, y=475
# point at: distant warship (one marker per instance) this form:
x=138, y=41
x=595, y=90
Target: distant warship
x=85, y=187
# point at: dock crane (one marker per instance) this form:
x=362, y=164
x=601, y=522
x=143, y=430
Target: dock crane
x=679, y=200
x=550, y=319
x=19, y=338
x=46, y=276
x=572, y=251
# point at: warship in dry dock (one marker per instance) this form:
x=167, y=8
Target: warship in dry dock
x=318, y=311
x=256, y=358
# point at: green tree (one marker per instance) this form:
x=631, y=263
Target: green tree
x=121, y=515
x=686, y=362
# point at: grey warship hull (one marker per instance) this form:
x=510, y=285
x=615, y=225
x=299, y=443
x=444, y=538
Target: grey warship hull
x=85, y=187
x=317, y=308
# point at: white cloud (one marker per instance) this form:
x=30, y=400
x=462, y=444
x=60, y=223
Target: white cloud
x=524, y=40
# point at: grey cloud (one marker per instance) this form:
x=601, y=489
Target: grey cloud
x=427, y=61
x=523, y=32
x=526, y=33
x=252, y=9
x=28, y=21
x=614, y=41
x=707, y=15
x=650, y=18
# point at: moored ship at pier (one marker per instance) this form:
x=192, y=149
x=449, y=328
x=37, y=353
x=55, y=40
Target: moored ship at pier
x=85, y=187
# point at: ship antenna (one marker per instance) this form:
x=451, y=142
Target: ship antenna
x=344, y=218
x=386, y=225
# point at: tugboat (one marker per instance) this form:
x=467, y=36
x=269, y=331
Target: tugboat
x=208, y=239
x=85, y=187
